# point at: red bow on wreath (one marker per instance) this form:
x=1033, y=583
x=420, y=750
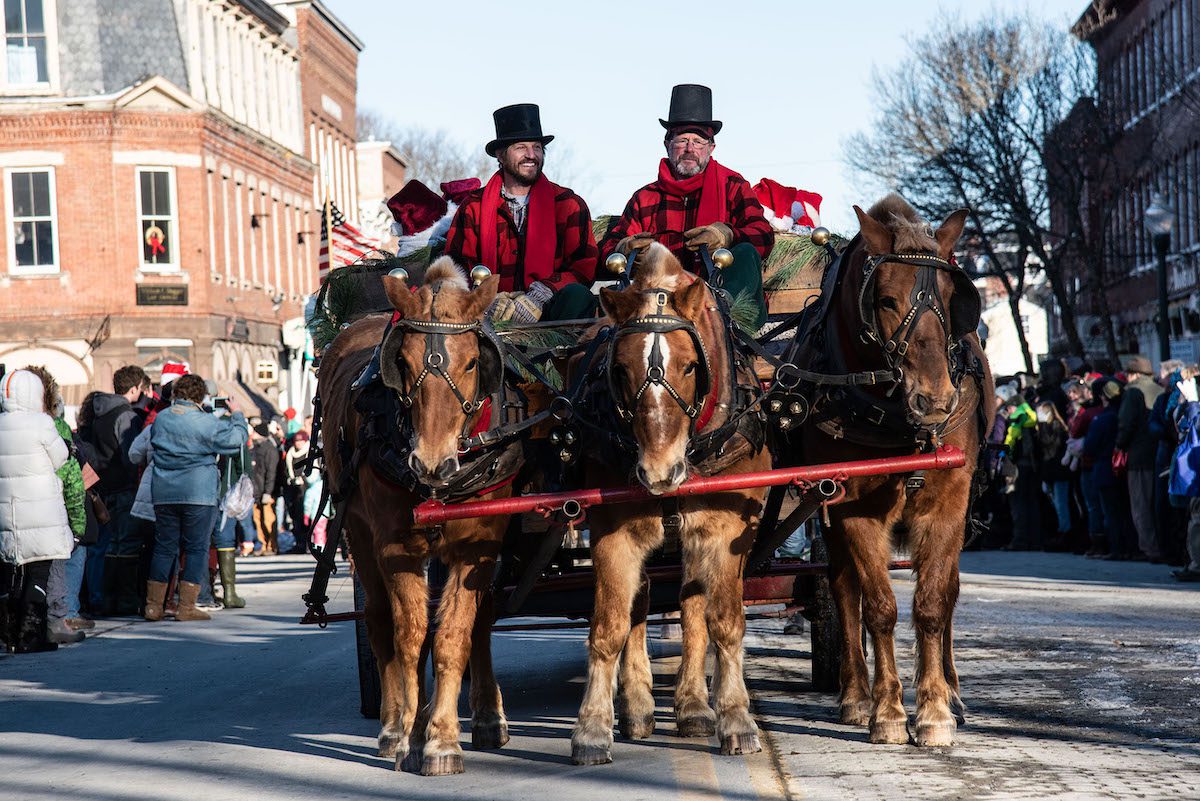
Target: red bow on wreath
x=154, y=238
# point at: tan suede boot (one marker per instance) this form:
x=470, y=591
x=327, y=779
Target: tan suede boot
x=188, y=593
x=156, y=591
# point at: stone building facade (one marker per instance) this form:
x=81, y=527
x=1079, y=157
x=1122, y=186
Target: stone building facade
x=159, y=195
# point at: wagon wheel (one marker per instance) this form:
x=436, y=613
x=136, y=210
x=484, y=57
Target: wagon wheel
x=370, y=694
x=826, y=633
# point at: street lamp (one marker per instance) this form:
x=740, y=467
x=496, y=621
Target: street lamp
x=1160, y=219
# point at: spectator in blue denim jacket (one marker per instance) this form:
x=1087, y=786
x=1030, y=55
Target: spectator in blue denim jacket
x=186, y=487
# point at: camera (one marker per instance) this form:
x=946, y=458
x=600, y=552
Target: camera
x=221, y=403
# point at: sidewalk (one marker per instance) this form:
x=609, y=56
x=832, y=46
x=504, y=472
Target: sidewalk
x=1080, y=679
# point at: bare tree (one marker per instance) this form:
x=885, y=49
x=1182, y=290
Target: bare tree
x=434, y=156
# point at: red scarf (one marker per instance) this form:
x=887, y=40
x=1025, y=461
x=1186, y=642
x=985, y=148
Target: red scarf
x=711, y=183
x=541, y=235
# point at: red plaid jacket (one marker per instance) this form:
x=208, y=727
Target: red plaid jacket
x=575, y=253
x=650, y=210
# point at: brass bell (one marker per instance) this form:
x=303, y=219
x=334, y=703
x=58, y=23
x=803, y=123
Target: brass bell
x=794, y=407
x=399, y=272
x=565, y=455
x=774, y=406
x=722, y=258
x=569, y=437
x=785, y=423
x=555, y=437
x=479, y=274
x=617, y=263
x=820, y=236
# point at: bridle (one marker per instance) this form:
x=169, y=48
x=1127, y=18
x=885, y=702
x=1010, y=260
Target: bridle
x=436, y=359
x=656, y=324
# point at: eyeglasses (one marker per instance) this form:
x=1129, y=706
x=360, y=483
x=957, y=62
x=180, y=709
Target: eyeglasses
x=682, y=143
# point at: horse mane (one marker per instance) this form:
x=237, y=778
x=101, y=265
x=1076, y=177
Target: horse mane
x=445, y=271
x=658, y=268
x=912, y=234
x=445, y=274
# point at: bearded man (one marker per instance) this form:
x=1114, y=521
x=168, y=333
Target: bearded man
x=536, y=235
x=697, y=201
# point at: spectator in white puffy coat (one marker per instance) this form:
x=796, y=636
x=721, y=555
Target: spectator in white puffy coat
x=34, y=529
x=141, y=452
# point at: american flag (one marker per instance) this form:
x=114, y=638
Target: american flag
x=341, y=242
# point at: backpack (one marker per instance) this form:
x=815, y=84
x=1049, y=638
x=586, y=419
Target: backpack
x=1185, y=464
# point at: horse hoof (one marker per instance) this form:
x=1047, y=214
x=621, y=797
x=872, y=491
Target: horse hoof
x=637, y=728
x=935, y=735
x=409, y=762
x=590, y=754
x=734, y=744
x=485, y=736
x=389, y=744
x=889, y=732
x=856, y=713
x=442, y=765
x=695, y=720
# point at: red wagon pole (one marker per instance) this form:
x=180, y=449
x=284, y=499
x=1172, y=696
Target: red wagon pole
x=574, y=502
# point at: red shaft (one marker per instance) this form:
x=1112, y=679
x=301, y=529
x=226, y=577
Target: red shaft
x=433, y=512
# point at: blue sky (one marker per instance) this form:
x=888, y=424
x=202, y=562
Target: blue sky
x=790, y=80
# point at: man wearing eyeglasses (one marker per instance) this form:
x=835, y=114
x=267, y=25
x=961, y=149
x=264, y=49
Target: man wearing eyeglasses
x=535, y=234
x=697, y=201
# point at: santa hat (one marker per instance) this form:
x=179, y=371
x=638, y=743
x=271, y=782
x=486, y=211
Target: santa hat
x=787, y=207
x=456, y=191
x=415, y=208
x=171, y=371
x=806, y=209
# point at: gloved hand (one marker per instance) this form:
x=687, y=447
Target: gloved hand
x=266, y=499
x=715, y=235
x=515, y=306
x=636, y=242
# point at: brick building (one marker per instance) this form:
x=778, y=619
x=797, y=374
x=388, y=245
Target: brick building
x=159, y=184
x=1148, y=94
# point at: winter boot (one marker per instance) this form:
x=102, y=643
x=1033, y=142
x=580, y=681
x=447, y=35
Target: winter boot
x=31, y=637
x=59, y=632
x=228, y=565
x=188, y=593
x=8, y=633
x=128, y=600
x=156, y=592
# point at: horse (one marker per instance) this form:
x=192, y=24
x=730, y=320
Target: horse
x=671, y=395
x=439, y=369
x=896, y=303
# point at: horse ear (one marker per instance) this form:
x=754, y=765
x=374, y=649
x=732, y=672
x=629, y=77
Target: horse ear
x=481, y=297
x=403, y=300
x=878, y=236
x=949, y=231
x=690, y=300
x=618, y=305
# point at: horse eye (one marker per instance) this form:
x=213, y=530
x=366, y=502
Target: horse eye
x=691, y=368
x=889, y=303
x=471, y=365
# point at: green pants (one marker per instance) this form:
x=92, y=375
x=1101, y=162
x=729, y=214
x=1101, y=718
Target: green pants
x=572, y=302
x=744, y=278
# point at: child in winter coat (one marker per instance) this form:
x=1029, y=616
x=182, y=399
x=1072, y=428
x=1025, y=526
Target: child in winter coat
x=34, y=529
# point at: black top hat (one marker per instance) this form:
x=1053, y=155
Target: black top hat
x=691, y=104
x=521, y=122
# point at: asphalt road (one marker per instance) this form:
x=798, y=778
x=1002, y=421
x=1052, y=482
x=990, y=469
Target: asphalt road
x=252, y=705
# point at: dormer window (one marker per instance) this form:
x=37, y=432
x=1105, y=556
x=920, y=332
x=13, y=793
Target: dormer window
x=28, y=44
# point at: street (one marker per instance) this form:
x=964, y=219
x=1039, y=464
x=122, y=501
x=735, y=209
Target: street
x=1080, y=679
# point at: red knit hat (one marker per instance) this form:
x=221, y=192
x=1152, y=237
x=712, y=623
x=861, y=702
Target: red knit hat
x=416, y=208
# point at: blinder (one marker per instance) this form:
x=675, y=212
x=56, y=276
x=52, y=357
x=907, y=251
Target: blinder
x=959, y=318
x=435, y=362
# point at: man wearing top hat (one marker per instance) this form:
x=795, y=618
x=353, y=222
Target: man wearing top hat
x=535, y=234
x=697, y=201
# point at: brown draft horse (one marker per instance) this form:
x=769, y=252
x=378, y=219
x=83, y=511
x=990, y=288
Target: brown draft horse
x=716, y=532
x=390, y=556
x=929, y=399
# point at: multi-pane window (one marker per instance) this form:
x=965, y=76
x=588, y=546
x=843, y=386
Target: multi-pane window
x=33, y=241
x=26, y=46
x=157, y=218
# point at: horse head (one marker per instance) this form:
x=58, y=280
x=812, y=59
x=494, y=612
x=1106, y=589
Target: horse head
x=658, y=366
x=918, y=301
x=440, y=362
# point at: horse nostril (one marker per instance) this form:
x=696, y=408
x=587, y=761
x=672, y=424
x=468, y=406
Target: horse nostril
x=678, y=473
x=447, y=469
x=416, y=465
x=922, y=403
x=641, y=476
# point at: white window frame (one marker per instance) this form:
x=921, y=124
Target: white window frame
x=10, y=216
x=51, y=84
x=173, y=232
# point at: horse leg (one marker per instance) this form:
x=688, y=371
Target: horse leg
x=935, y=560
x=854, y=703
x=400, y=677
x=470, y=577
x=693, y=715
x=951, y=672
x=617, y=562
x=489, y=727
x=870, y=548
x=636, y=718
x=378, y=616
x=711, y=557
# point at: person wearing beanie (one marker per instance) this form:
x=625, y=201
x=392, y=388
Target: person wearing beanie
x=264, y=454
x=697, y=201
x=536, y=235
x=34, y=528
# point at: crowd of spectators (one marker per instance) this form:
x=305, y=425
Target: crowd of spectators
x=1100, y=462
x=143, y=507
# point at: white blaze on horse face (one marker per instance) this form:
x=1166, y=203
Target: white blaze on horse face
x=659, y=460
x=656, y=391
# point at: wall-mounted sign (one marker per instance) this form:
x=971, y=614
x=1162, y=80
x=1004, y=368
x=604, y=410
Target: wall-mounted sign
x=162, y=295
